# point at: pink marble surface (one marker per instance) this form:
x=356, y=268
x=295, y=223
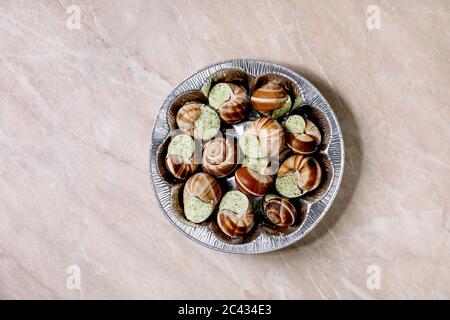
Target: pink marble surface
x=77, y=105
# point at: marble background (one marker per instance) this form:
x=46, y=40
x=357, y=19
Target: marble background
x=76, y=110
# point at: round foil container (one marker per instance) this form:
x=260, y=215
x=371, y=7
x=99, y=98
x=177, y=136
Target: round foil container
x=312, y=207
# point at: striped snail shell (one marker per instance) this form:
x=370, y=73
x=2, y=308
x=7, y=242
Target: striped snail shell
x=264, y=137
x=297, y=175
x=198, y=120
x=280, y=211
x=231, y=102
x=179, y=167
x=220, y=157
x=187, y=115
x=252, y=183
x=181, y=159
x=204, y=187
x=305, y=138
x=201, y=195
x=235, y=217
x=271, y=96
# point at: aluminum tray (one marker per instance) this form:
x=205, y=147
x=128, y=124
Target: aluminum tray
x=314, y=207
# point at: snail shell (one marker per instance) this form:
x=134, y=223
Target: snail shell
x=280, y=211
x=269, y=138
x=271, y=96
x=305, y=169
x=306, y=139
x=230, y=101
x=235, y=219
x=252, y=183
x=180, y=168
x=198, y=120
x=220, y=157
x=201, y=194
x=187, y=115
x=181, y=157
x=204, y=187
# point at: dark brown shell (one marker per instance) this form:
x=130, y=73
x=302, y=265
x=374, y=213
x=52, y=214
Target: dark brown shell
x=220, y=157
x=252, y=183
x=305, y=142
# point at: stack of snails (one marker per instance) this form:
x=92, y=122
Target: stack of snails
x=271, y=159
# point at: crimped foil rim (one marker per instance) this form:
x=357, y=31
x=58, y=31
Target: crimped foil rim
x=264, y=242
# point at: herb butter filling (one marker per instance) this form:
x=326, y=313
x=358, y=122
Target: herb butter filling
x=219, y=94
x=295, y=124
x=250, y=146
x=271, y=196
x=196, y=210
x=256, y=164
x=208, y=124
x=182, y=145
x=283, y=110
x=287, y=186
x=235, y=201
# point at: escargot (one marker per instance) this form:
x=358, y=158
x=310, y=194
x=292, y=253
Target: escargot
x=255, y=177
x=230, y=101
x=303, y=136
x=198, y=120
x=220, y=157
x=271, y=100
x=201, y=195
x=279, y=210
x=235, y=217
x=297, y=175
x=264, y=137
x=180, y=158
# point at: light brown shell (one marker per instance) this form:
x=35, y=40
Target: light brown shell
x=307, y=169
x=236, y=108
x=271, y=96
x=305, y=142
x=275, y=162
x=235, y=225
x=180, y=168
x=187, y=115
x=252, y=183
x=220, y=157
x=280, y=211
x=270, y=135
x=204, y=187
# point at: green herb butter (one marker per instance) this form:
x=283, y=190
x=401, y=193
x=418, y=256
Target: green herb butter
x=219, y=94
x=208, y=124
x=182, y=145
x=271, y=196
x=250, y=146
x=256, y=164
x=235, y=201
x=295, y=124
x=283, y=110
x=287, y=186
x=197, y=211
